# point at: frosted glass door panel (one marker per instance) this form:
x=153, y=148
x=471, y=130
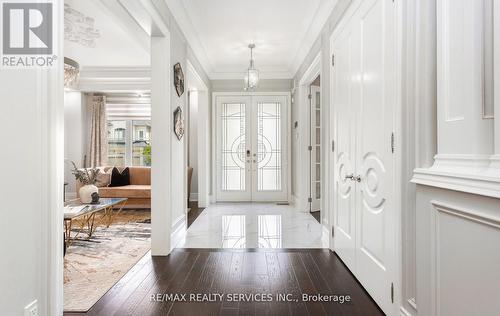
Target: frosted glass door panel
x=269, y=146
x=233, y=148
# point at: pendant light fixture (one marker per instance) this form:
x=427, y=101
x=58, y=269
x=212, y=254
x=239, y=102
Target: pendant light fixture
x=252, y=74
x=71, y=73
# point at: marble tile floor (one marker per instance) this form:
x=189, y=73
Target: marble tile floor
x=254, y=225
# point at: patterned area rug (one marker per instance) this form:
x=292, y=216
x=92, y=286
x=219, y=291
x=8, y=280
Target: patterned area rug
x=92, y=267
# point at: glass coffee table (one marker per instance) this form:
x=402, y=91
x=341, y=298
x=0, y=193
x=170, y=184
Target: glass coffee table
x=85, y=215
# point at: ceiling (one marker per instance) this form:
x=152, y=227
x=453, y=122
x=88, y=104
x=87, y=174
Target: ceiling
x=101, y=33
x=95, y=36
x=219, y=32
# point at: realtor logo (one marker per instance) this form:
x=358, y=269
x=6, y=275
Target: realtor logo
x=27, y=28
x=27, y=34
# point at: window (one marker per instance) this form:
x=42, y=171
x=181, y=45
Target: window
x=141, y=143
x=129, y=142
x=116, y=143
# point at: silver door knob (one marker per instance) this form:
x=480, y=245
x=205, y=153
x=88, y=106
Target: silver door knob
x=349, y=176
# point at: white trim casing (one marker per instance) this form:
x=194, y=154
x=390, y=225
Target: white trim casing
x=303, y=102
x=50, y=89
x=161, y=120
x=194, y=81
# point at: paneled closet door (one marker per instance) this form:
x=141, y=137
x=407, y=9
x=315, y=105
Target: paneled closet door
x=364, y=97
x=233, y=146
x=375, y=213
x=345, y=94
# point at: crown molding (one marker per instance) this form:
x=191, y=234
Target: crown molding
x=125, y=78
x=241, y=74
x=180, y=13
x=314, y=31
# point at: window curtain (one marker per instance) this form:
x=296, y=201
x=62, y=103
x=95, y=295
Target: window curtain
x=98, y=143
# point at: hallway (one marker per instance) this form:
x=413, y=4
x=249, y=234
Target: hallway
x=196, y=271
x=254, y=225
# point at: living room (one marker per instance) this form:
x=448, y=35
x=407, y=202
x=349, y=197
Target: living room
x=107, y=119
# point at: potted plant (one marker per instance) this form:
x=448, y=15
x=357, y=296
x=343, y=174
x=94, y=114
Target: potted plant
x=88, y=178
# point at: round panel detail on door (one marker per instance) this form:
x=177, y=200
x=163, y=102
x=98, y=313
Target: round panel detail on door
x=372, y=173
x=345, y=169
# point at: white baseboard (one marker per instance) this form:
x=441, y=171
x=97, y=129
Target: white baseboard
x=404, y=312
x=193, y=197
x=326, y=231
x=293, y=200
x=178, y=231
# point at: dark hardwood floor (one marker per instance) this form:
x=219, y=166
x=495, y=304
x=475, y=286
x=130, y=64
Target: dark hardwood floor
x=250, y=271
x=194, y=212
x=317, y=216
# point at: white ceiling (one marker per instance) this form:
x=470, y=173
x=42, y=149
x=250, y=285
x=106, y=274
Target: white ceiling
x=219, y=32
x=116, y=46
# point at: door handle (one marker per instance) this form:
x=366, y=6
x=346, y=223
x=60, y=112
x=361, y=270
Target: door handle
x=349, y=176
x=357, y=178
x=248, y=152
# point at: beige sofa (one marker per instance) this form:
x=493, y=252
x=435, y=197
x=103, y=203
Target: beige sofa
x=138, y=192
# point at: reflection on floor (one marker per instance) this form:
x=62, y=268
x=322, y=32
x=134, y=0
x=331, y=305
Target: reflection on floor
x=255, y=225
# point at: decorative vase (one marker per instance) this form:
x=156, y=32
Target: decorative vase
x=86, y=193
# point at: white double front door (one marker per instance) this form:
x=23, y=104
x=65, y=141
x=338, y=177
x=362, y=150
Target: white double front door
x=251, y=148
x=364, y=85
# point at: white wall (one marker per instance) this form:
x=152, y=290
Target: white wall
x=20, y=218
x=74, y=136
x=457, y=197
x=31, y=165
x=299, y=148
x=179, y=53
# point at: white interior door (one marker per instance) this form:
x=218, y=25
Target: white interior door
x=315, y=157
x=364, y=96
x=375, y=212
x=344, y=97
x=252, y=148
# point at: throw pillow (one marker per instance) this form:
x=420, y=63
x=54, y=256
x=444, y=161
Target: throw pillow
x=103, y=178
x=119, y=179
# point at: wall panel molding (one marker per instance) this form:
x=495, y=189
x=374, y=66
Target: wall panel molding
x=464, y=77
x=455, y=230
x=469, y=183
